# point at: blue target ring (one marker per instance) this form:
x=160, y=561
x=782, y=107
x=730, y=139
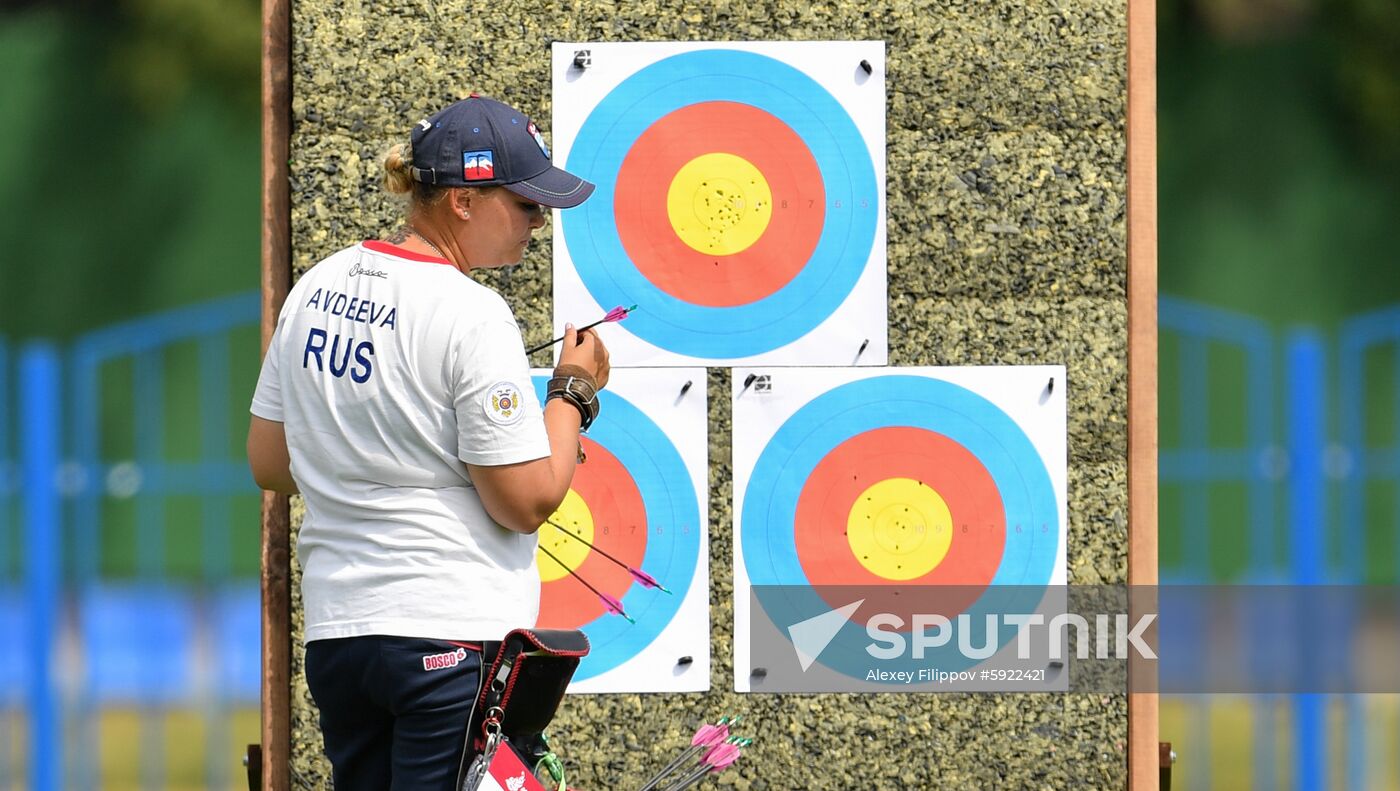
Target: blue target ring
x=848, y=177
x=989, y=434
x=671, y=553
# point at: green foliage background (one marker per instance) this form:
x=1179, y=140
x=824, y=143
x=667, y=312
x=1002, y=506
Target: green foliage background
x=129, y=156
x=1279, y=152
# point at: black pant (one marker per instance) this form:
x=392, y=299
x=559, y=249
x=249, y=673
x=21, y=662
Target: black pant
x=394, y=710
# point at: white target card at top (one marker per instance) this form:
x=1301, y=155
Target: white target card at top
x=635, y=517
x=896, y=478
x=739, y=205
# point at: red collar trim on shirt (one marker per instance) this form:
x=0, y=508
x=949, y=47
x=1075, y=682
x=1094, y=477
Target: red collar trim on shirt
x=394, y=250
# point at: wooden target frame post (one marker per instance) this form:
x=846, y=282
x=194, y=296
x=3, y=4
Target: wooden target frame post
x=1143, y=748
x=1144, y=763
x=274, y=769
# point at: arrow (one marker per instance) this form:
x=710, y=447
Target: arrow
x=716, y=760
x=706, y=736
x=613, y=605
x=643, y=578
x=616, y=314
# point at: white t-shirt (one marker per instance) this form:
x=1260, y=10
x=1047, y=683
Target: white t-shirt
x=389, y=369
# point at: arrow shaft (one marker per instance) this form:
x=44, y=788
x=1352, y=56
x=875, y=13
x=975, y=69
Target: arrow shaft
x=637, y=574
x=613, y=605
x=675, y=763
x=583, y=541
x=691, y=779
x=572, y=573
x=610, y=317
x=562, y=337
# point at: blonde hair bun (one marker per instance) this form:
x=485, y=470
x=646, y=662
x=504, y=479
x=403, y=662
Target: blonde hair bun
x=398, y=160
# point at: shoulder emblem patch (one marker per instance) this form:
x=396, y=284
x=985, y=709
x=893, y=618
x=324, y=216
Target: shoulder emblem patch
x=503, y=403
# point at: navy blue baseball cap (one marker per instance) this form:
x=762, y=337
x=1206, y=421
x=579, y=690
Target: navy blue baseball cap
x=480, y=142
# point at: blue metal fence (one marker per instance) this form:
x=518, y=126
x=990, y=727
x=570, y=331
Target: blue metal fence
x=100, y=481
x=39, y=457
x=1192, y=463
x=11, y=608
x=1286, y=457
x=1362, y=460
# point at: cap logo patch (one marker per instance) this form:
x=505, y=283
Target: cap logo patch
x=424, y=123
x=539, y=138
x=478, y=165
x=503, y=404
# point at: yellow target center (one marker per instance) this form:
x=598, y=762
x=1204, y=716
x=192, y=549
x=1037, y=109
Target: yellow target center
x=899, y=529
x=719, y=204
x=573, y=515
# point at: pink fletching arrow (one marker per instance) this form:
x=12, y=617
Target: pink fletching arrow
x=726, y=754
x=721, y=732
x=704, y=735
x=716, y=760
x=618, y=313
x=711, y=735
x=614, y=606
x=646, y=579
x=720, y=752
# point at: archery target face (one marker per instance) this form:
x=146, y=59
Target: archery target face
x=739, y=200
x=639, y=498
x=891, y=478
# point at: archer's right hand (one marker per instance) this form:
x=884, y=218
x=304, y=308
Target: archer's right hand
x=586, y=350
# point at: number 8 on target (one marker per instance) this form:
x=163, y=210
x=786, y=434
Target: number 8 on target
x=739, y=202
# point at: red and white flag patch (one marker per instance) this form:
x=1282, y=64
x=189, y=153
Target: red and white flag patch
x=478, y=165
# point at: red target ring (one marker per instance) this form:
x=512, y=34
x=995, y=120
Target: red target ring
x=619, y=528
x=949, y=469
x=663, y=258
